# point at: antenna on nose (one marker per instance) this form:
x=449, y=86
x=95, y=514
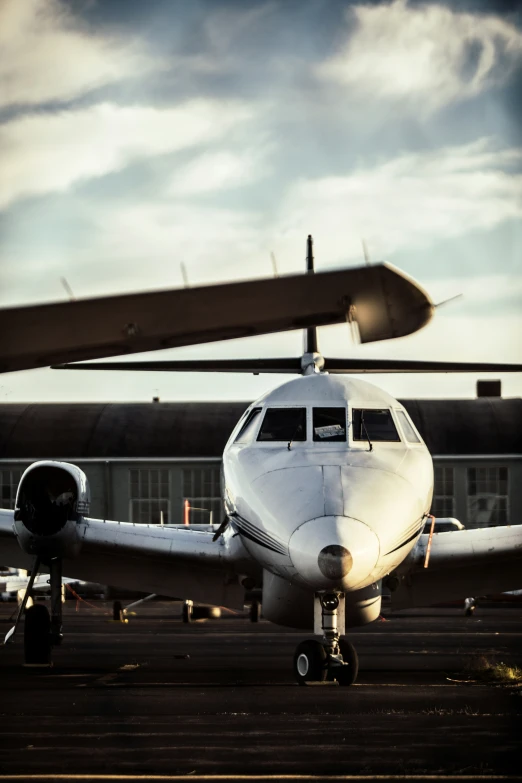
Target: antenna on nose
x=311, y=361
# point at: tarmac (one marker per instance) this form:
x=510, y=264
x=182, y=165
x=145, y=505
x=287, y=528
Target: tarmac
x=216, y=700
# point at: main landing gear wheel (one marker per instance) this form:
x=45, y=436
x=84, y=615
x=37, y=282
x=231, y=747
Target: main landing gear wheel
x=37, y=636
x=310, y=662
x=347, y=673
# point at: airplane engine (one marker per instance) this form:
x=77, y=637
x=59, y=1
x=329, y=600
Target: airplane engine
x=51, y=499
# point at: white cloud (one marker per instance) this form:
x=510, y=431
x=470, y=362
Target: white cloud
x=152, y=239
x=41, y=153
x=137, y=246
x=428, y=55
x=47, y=54
x=218, y=171
x=407, y=202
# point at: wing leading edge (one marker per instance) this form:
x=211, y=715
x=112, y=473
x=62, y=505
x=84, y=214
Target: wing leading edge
x=180, y=562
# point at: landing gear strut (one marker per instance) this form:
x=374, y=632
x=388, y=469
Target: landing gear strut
x=55, y=580
x=332, y=658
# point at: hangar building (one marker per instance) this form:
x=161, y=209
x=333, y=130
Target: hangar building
x=144, y=460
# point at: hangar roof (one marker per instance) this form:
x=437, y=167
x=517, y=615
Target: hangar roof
x=484, y=425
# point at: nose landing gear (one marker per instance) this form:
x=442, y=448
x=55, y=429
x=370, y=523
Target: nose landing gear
x=332, y=658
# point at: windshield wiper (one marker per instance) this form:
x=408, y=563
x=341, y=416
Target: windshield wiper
x=363, y=426
x=299, y=426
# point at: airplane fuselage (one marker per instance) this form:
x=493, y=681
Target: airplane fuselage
x=327, y=482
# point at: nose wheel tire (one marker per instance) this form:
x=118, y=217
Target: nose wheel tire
x=310, y=662
x=347, y=674
x=37, y=636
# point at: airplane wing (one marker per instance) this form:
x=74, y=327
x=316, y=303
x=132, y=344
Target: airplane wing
x=382, y=301
x=179, y=562
x=461, y=563
x=15, y=583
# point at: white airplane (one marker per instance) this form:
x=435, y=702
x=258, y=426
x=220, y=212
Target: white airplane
x=327, y=487
x=14, y=585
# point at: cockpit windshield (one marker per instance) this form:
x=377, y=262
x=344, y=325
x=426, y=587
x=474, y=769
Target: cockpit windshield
x=329, y=425
x=372, y=424
x=283, y=424
x=407, y=428
x=246, y=429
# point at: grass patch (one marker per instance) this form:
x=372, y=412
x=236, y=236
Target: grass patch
x=488, y=670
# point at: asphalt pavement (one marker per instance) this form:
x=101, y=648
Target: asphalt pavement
x=155, y=697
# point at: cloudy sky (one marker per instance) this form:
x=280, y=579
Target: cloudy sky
x=135, y=136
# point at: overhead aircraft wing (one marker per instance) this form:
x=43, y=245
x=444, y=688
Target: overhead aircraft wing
x=461, y=563
x=293, y=365
x=180, y=562
x=382, y=301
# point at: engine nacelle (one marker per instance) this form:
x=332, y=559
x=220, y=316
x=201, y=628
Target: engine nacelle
x=51, y=500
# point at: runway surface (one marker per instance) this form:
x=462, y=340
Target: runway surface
x=156, y=697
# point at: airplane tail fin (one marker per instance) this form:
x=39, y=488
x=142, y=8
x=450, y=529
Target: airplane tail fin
x=310, y=341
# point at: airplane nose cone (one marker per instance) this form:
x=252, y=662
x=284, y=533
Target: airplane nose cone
x=334, y=551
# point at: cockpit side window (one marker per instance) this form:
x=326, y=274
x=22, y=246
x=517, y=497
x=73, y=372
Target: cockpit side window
x=283, y=424
x=329, y=425
x=246, y=429
x=407, y=428
x=372, y=424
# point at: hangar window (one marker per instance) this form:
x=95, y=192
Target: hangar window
x=202, y=489
x=373, y=424
x=443, y=504
x=329, y=425
x=9, y=480
x=149, y=496
x=488, y=495
x=283, y=424
x=407, y=428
